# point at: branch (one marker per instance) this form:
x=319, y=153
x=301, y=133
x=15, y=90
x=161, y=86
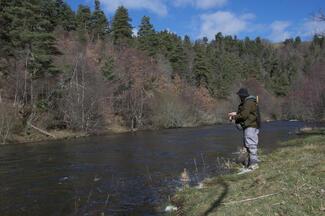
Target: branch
x=250, y=199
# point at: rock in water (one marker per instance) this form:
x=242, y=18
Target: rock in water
x=170, y=208
x=200, y=186
x=185, y=178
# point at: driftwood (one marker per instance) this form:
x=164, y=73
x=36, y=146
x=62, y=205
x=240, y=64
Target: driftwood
x=250, y=199
x=42, y=131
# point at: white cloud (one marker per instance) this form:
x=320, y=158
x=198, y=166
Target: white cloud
x=225, y=22
x=160, y=6
x=279, y=31
x=202, y=4
x=206, y=4
x=135, y=32
x=155, y=6
x=312, y=27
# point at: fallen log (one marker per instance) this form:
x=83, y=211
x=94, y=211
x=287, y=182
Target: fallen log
x=41, y=131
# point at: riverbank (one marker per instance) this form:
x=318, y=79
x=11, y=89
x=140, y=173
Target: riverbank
x=290, y=181
x=311, y=131
x=35, y=135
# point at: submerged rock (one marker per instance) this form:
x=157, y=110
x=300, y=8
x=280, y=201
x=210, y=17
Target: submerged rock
x=170, y=208
x=200, y=185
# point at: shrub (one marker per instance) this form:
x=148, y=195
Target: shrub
x=169, y=111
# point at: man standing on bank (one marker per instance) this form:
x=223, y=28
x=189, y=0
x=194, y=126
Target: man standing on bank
x=248, y=118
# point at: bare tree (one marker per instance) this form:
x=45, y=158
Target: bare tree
x=81, y=97
x=136, y=77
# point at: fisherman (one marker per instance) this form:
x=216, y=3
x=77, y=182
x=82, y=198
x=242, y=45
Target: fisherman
x=247, y=118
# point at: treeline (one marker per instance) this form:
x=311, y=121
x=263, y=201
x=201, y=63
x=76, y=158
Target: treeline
x=65, y=69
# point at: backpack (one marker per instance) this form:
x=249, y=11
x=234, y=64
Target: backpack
x=258, y=113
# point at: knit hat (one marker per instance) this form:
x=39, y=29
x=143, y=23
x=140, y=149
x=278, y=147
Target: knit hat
x=243, y=92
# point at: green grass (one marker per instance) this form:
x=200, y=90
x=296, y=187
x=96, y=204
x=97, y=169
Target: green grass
x=312, y=131
x=295, y=172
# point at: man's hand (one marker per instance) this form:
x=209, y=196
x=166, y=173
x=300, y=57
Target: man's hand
x=231, y=115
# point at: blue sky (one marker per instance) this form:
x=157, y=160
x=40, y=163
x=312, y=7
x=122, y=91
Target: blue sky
x=273, y=19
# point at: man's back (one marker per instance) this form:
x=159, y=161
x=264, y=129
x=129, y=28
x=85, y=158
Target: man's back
x=247, y=114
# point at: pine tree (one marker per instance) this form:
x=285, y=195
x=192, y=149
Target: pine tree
x=219, y=43
x=121, y=27
x=99, y=22
x=278, y=80
x=29, y=42
x=297, y=42
x=30, y=35
x=6, y=48
x=171, y=46
x=147, y=37
x=108, y=69
x=189, y=58
x=83, y=18
x=187, y=44
x=280, y=83
x=177, y=57
x=200, y=66
x=68, y=18
x=59, y=13
x=229, y=68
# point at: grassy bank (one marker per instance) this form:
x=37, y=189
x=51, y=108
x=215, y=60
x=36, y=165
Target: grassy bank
x=311, y=131
x=290, y=181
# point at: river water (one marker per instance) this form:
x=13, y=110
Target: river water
x=122, y=174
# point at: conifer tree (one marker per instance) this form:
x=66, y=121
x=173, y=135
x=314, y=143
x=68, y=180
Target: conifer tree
x=121, y=27
x=59, y=13
x=189, y=58
x=177, y=56
x=200, y=67
x=297, y=41
x=99, y=22
x=229, y=67
x=67, y=17
x=29, y=30
x=6, y=48
x=187, y=44
x=147, y=37
x=83, y=18
x=108, y=69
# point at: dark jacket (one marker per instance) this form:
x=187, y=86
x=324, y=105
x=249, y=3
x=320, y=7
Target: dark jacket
x=248, y=113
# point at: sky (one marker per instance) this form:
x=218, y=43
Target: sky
x=274, y=20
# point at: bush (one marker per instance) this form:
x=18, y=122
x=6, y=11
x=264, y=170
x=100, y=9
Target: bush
x=169, y=111
x=306, y=100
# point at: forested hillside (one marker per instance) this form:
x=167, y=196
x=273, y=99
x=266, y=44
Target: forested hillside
x=62, y=69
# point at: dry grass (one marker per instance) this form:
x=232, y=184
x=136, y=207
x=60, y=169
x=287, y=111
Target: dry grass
x=294, y=175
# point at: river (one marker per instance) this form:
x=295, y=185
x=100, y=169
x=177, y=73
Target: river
x=121, y=174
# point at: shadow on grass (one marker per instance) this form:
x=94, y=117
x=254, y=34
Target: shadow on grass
x=218, y=202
